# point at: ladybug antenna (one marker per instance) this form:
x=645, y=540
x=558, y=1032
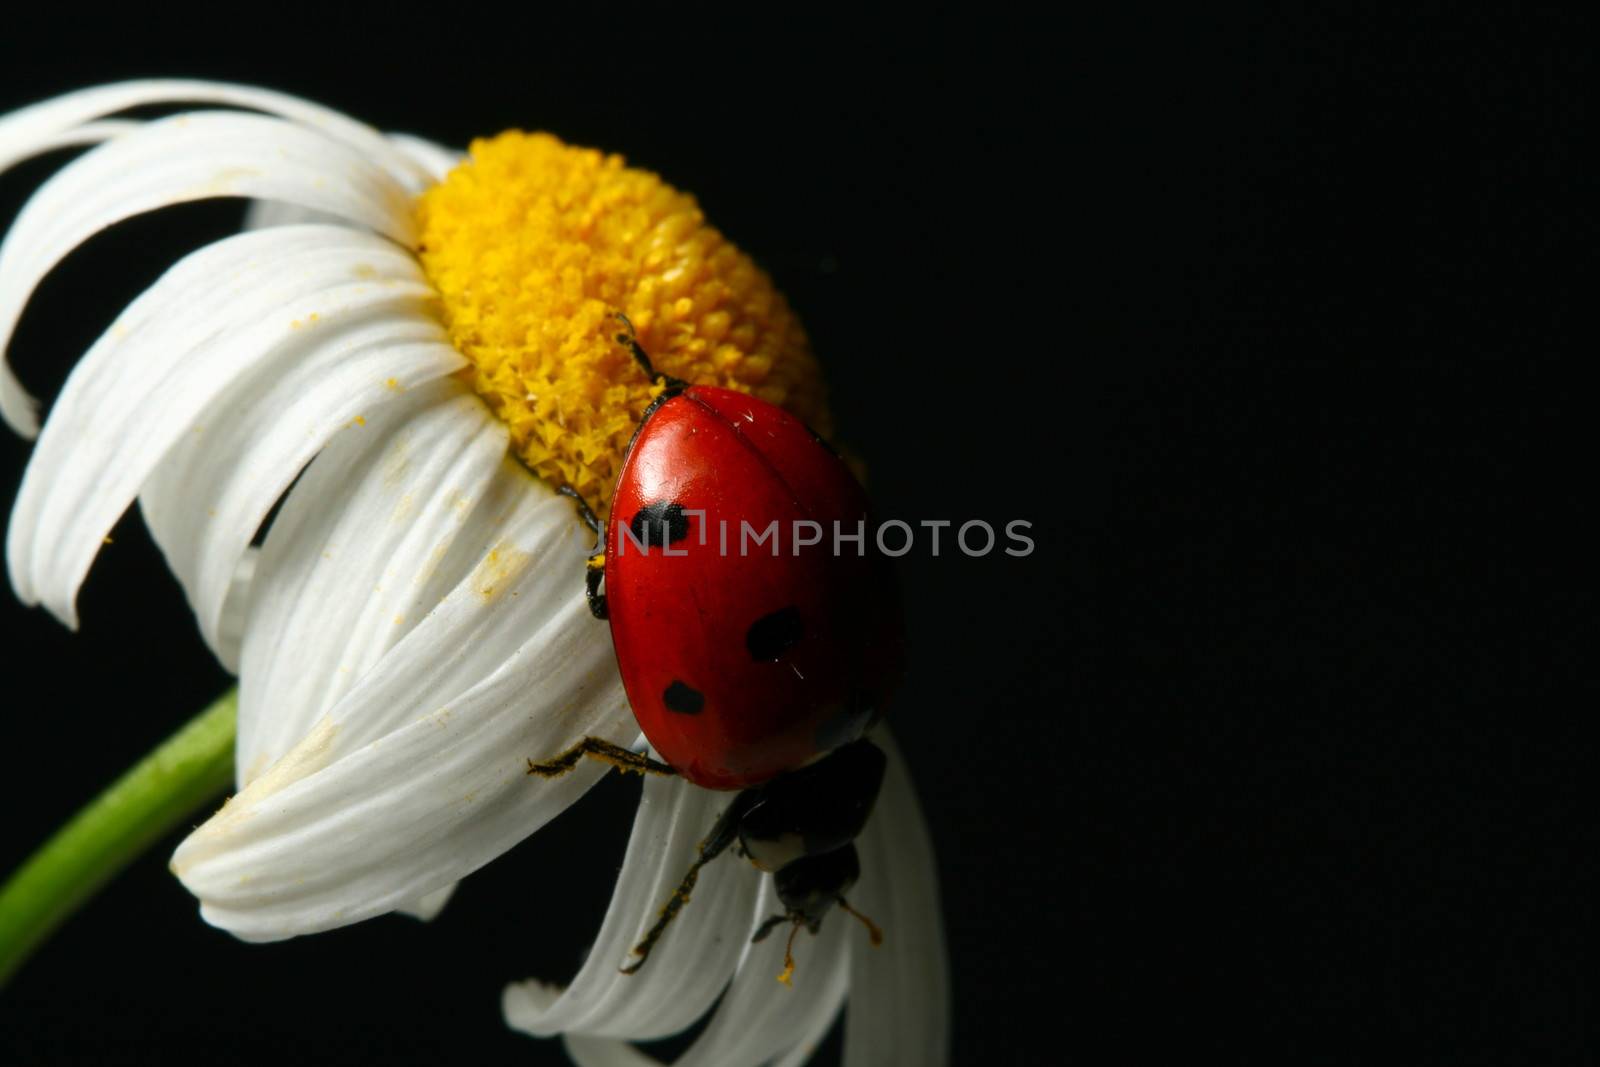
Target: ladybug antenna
x=874, y=934
x=629, y=338
x=786, y=976
x=797, y=921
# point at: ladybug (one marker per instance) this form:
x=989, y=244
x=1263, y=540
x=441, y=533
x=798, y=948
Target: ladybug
x=758, y=633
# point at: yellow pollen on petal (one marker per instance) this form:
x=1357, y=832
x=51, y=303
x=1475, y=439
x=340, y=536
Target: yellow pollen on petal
x=535, y=245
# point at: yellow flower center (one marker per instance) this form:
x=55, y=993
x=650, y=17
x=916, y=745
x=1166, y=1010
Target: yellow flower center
x=535, y=245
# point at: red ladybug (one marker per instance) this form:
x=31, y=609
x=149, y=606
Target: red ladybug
x=757, y=630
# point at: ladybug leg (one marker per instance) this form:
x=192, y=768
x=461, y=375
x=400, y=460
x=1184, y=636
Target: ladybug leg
x=595, y=569
x=624, y=759
x=630, y=340
x=593, y=574
x=723, y=834
x=584, y=511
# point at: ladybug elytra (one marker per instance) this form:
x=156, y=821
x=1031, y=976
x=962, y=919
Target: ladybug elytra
x=758, y=633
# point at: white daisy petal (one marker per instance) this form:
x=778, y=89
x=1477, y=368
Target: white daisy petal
x=89, y=133
x=187, y=157
x=589, y=1051
x=429, y=906
x=359, y=554
x=329, y=837
x=236, y=606
x=207, y=499
x=758, y=1018
x=821, y=1015
x=151, y=377
x=900, y=992
x=22, y=130
x=691, y=963
x=418, y=775
x=473, y=600
x=434, y=158
x=264, y=213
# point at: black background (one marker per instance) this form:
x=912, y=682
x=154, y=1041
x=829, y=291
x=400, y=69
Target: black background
x=1260, y=319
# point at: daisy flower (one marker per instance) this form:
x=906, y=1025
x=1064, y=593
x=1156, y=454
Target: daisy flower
x=380, y=383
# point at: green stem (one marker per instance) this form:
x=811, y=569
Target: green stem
x=191, y=767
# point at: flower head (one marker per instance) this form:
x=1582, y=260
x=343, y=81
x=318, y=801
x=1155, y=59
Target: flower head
x=391, y=375
x=534, y=246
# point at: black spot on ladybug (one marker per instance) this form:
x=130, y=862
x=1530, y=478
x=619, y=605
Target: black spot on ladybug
x=682, y=699
x=848, y=725
x=772, y=635
x=660, y=524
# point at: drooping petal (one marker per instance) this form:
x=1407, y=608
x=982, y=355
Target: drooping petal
x=208, y=497
x=391, y=516
x=758, y=1019
x=418, y=775
x=268, y=297
x=899, y=992
x=325, y=839
x=822, y=1014
x=90, y=133
x=587, y=1050
x=433, y=159
x=691, y=963
x=428, y=906
x=262, y=214
x=183, y=158
x=236, y=606
x=23, y=130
